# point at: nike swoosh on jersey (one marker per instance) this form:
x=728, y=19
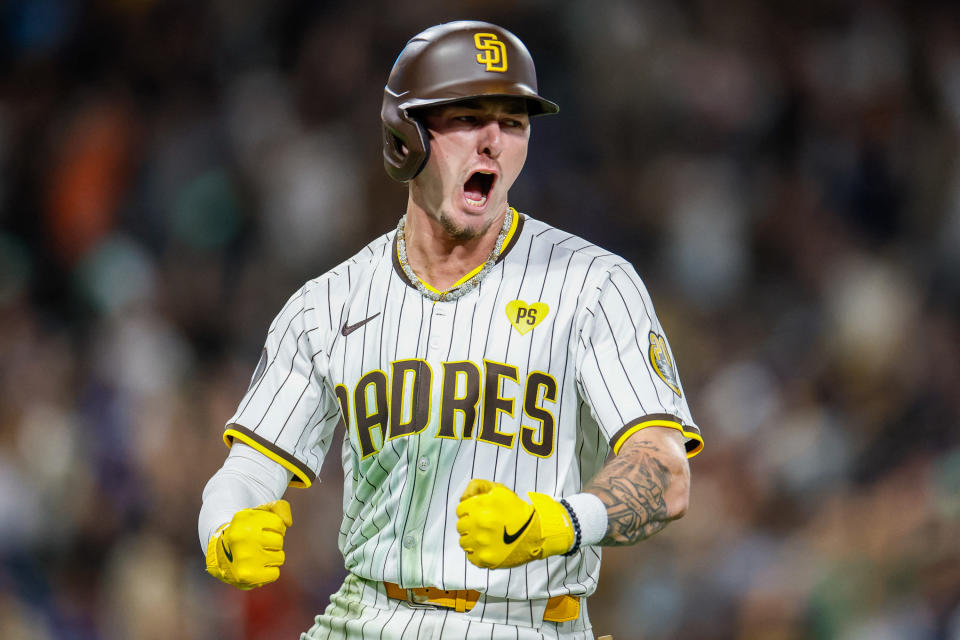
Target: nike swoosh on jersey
x=508, y=539
x=226, y=550
x=350, y=328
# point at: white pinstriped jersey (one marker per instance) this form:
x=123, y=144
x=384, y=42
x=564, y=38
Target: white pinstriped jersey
x=529, y=380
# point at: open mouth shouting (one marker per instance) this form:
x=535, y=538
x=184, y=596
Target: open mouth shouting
x=478, y=187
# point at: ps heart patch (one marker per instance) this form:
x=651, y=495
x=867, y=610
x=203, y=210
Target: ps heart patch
x=662, y=363
x=524, y=317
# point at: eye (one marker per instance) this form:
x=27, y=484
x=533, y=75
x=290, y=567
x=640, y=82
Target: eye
x=513, y=124
x=468, y=119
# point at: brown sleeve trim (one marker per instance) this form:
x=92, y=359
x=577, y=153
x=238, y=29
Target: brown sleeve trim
x=694, y=441
x=303, y=476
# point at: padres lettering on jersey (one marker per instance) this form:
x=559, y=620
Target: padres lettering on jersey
x=530, y=380
x=463, y=384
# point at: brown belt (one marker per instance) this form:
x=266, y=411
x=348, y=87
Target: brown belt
x=559, y=608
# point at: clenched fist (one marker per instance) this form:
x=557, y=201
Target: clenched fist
x=248, y=552
x=499, y=530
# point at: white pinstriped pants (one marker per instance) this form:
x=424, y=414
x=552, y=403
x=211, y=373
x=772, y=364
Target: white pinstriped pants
x=361, y=610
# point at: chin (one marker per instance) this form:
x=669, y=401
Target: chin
x=466, y=224
x=461, y=231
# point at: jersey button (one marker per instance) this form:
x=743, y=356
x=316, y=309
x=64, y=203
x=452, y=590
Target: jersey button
x=423, y=464
x=409, y=541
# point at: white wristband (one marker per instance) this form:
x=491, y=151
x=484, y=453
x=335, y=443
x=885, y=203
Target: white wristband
x=592, y=514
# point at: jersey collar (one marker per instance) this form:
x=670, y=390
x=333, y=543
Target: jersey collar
x=509, y=241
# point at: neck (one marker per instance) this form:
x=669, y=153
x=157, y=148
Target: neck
x=440, y=259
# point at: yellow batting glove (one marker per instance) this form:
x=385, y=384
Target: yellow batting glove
x=499, y=530
x=248, y=551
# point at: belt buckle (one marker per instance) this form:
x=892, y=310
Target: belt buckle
x=413, y=603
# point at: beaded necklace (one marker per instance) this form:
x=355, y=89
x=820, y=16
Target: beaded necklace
x=459, y=290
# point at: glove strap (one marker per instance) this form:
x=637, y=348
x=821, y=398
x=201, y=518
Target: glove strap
x=556, y=525
x=212, y=560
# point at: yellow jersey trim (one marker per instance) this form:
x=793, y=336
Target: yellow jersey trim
x=506, y=243
x=697, y=444
x=302, y=477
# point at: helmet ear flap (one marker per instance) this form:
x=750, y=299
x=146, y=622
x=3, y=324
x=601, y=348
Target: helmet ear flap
x=406, y=144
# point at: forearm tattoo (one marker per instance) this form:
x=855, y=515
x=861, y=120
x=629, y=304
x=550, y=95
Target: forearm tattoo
x=633, y=487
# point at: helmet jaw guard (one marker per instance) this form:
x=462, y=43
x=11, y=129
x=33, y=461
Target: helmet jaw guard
x=406, y=143
x=449, y=63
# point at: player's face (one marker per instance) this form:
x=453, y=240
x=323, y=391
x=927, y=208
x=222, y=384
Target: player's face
x=477, y=149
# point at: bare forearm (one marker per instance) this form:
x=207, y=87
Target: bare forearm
x=643, y=488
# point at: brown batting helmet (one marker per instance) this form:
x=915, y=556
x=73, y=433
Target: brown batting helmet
x=448, y=63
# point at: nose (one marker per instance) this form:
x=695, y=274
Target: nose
x=488, y=139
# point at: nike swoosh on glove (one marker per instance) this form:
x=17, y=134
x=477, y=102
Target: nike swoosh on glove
x=247, y=552
x=498, y=530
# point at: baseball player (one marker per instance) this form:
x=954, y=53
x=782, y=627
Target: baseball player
x=483, y=365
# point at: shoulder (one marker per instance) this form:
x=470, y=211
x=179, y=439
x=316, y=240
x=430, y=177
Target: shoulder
x=319, y=299
x=354, y=270
x=564, y=246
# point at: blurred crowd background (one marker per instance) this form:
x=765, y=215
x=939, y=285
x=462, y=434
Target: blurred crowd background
x=784, y=175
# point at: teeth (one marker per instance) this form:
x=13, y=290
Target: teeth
x=476, y=203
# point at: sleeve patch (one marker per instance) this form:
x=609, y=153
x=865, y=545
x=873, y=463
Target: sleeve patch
x=260, y=370
x=662, y=363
